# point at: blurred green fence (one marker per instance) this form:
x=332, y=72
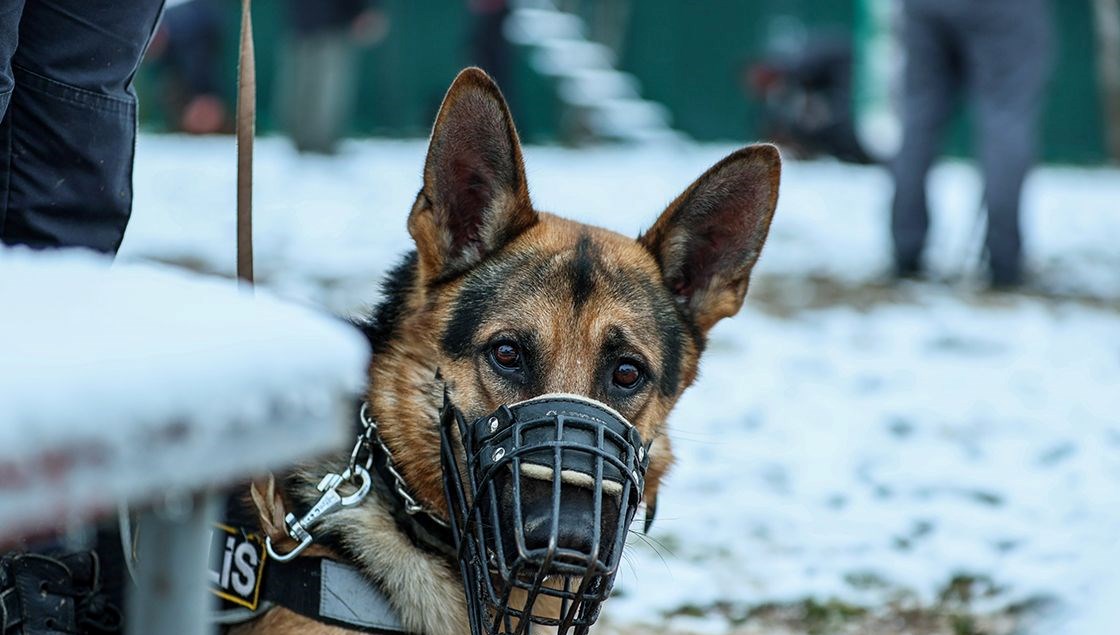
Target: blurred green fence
x=688, y=54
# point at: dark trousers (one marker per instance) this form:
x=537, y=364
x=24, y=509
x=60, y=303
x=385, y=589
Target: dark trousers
x=998, y=52
x=68, y=132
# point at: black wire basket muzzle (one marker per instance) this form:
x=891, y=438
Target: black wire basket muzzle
x=540, y=509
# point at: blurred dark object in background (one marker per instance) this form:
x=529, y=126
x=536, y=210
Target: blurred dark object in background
x=998, y=52
x=1106, y=20
x=805, y=96
x=188, y=49
x=318, y=77
x=489, y=48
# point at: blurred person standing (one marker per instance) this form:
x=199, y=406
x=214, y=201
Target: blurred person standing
x=68, y=131
x=998, y=51
x=188, y=46
x=318, y=70
x=490, y=50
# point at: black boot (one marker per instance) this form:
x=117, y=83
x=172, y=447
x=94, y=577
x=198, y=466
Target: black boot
x=54, y=595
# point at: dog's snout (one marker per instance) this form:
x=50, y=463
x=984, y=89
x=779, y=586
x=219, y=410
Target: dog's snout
x=581, y=534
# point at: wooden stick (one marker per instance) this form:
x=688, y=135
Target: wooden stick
x=246, y=127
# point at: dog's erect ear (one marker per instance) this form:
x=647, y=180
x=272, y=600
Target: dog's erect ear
x=709, y=238
x=474, y=197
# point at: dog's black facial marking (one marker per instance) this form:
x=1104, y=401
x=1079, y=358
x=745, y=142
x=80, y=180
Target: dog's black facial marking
x=483, y=291
x=466, y=317
x=380, y=326
x=671, y=328
x=581, y=271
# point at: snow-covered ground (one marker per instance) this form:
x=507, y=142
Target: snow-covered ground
x=846, y=439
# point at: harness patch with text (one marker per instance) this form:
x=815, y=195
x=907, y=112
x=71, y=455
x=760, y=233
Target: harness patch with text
x=236, y=565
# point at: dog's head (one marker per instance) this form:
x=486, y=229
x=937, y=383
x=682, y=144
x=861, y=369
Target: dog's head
x=507, y=302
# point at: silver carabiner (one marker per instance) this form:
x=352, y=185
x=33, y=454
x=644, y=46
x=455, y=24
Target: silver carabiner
x=363, y=485
x=330, y=502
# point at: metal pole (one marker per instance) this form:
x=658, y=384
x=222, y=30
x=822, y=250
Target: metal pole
x=171, y=595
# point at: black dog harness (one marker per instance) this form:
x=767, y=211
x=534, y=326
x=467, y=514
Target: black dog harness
x=554, y=444
x=250, y=583
x=318, y=588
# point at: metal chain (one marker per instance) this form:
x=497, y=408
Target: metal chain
x=369, y=430
x=357, y=472
x=371, y=434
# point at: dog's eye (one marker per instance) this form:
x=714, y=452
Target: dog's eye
x=626, y=374
x=507, y=355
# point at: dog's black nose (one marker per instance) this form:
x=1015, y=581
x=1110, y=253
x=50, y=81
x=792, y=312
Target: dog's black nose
x=580, y=540
x=576, y=521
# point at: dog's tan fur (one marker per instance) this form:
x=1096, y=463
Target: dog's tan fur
x=574, y=290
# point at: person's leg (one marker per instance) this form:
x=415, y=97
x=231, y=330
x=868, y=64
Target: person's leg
x=1008, y=56
x=194, y=32
x=931, y=81
x=491, y=51
x=10, y=13
x=302, y=98
x=339, y=76
x=323, y=71
x=72, y=122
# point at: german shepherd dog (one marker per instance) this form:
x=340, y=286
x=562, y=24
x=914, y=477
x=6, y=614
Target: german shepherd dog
x=501, y=302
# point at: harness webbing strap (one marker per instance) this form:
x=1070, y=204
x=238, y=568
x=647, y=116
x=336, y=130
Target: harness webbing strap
x=330, y=592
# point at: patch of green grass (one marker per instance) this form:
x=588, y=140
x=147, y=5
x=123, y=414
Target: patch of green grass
x=822, y=618
x=963, y=588
x=688, y=610
x=866, y=580
x=964, y=625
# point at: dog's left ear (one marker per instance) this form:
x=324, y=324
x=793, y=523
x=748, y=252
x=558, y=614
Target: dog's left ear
x=474, y=198
x=709, y=238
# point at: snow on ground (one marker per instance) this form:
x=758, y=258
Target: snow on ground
x=845, y=440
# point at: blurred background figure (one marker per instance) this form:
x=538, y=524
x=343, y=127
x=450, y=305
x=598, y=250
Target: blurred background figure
x=490, y=50
x=188, y=48
x=805, y=92
x=318, y=69
x=998, y=52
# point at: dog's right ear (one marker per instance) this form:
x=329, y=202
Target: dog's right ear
x=474, y=198
x=710, y=237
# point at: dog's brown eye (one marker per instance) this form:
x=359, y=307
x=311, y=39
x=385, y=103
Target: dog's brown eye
x=626, y=375
x=507, y=355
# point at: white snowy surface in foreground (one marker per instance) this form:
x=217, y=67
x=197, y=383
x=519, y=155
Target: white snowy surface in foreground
x=153, y=377
x=824, y=451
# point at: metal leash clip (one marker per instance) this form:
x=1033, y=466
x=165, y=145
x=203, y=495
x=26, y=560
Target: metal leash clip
x=330, y=502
